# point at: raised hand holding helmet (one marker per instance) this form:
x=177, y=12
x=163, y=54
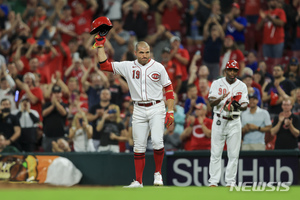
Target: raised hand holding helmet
x=99, y=41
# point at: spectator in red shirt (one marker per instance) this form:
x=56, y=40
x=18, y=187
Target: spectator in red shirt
x=230, y=51
x=20, y=57
x=198, y=132
x=204, y=87
x=63, y=58
x=196, y=74
x=73, y=46
x=72, y=85
x=33, y=93
x=296, y=44
x=46, y=57
x=67, y=25
x=37, y=20
x=73, y=3
x=75, y=105
x=45, y=53
x=77, y=70
x=84, y=17
x=180, y=57
x=34, y=68
x=252, y=10
x=171, y=14
x=272, y=21
x=173, y=70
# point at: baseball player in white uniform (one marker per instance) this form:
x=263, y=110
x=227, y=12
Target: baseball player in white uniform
x=146, y=80
x=228, y=96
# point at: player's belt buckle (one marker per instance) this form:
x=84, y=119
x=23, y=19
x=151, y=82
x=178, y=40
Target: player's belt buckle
x=148, y=104
x=227, y=118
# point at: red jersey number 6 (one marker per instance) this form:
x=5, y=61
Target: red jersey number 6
x=221, y=92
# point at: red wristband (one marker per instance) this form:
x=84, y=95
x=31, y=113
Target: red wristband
x=169, y=92
x=106, y=66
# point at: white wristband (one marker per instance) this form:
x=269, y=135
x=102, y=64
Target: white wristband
x=172, y=111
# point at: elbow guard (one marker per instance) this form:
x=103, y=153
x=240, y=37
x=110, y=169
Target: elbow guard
x=169, y=92
x=105, y=66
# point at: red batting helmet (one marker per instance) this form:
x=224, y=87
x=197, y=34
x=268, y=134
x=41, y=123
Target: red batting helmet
x=101, y=25
x=232, y=64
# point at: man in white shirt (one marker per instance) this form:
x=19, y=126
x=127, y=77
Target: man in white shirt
x=255, y=122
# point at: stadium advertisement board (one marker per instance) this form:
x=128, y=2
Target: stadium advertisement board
x=187, y=171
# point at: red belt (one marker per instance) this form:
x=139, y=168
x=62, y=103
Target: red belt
x=224, y=117
x=148, y=104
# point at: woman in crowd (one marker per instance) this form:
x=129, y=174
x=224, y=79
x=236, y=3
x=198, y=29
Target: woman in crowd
x=81, y=133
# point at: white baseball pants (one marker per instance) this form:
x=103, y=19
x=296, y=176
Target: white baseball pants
x=229, y=131
x=145, y=119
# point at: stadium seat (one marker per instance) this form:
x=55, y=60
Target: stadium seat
x=285, y=61
x=270, y=141
x=296, y=54
x=271, y=62
x=249, y=35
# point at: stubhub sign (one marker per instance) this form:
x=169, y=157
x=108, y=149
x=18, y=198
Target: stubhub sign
x=195, y=171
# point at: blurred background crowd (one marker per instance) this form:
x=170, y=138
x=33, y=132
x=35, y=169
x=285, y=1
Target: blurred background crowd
x=54, y=97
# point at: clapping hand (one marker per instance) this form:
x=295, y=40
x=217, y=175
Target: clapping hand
x=53, y=100
x=197, y=57
x=288, y=122
x=262, y=14
x=105, y=114
x=281, y=117
x=113, y=136
x=25, y=87
x=191, y=119
x=193, y=103
x=100, y=112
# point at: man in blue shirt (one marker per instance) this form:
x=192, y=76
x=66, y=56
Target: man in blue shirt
x=192, y=100
x=255, y=122
x=235, y=25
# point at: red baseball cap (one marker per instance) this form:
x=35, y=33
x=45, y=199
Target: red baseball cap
x=200, y=106
x=232, y=64
x=236, y=5
x=229, y=36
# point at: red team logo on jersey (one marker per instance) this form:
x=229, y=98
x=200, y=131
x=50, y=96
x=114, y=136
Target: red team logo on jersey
x=198, y=132
x=154, y=76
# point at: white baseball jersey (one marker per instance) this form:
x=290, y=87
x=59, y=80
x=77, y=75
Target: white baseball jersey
x=221, y=86
x=225, y=130
x=145, y=82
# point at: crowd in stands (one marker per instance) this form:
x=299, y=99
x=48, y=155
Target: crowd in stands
x=54, y=97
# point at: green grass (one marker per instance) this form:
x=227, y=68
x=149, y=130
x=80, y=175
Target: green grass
x=148, y=192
